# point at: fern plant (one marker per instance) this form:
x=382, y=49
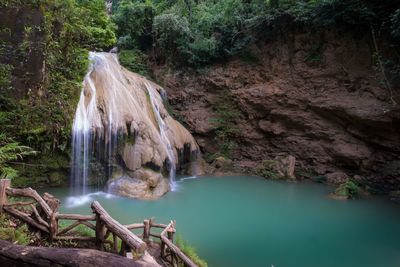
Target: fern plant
x=9, y=151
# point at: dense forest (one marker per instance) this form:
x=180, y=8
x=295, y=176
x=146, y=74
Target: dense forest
x=44, y=53
x=200, y=32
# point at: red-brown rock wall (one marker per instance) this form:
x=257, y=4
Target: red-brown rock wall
x=329, y=112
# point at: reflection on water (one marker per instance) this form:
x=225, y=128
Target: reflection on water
x=247, y=221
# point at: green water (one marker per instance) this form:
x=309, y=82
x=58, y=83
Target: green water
x=247, y=221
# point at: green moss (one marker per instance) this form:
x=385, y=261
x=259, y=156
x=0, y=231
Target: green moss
x=46, y=169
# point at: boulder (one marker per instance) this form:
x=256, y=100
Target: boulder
x=142, y=183
x=222, y=163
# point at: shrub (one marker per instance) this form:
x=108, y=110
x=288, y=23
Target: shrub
x=190, y=252
x=134, y=60
x=172, y=34
x=9, y=151
x=134, y=21
x=349, y=189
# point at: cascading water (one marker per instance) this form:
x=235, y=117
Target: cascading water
x=81, y=136
x=166, y=142
x=123, y=133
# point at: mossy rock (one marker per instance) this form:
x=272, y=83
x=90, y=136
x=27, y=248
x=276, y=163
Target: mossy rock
x=348, y=190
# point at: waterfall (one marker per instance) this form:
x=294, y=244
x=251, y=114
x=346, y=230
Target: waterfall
x=164, y=138
x=122, y=129
x=81, y=136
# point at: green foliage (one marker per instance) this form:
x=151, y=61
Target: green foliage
x=224, y=122
x=37, y=113
x=10, y=151
x=21, y=235
x=190, y=252
x=395, y=24
x=199, y=32
x=134, y=21
x=349, y=189
x=171, y=33
x=134, y=60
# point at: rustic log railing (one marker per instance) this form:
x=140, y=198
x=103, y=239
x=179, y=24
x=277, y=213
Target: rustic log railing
x=41, y=212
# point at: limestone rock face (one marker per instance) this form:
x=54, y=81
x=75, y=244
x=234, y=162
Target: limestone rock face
x=122, y=119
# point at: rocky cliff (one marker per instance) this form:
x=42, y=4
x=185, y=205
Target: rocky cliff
x=314, y=96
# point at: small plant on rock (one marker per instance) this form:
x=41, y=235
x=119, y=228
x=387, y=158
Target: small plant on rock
x=348, y=189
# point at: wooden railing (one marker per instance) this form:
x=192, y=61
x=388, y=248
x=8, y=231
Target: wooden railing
x=41, y=212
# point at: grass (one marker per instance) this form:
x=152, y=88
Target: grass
x=190, y=252
x=80, y=230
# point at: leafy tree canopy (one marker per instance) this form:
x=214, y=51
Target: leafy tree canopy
x=196, y=32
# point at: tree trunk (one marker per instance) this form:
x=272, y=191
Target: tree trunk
x=16, y=255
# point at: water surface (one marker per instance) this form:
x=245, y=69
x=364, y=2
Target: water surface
x=248, y=221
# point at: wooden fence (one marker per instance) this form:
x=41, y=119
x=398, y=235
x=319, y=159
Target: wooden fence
x=41, y=212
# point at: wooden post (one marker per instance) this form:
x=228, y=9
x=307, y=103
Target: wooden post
x=53, y=226
x=132, y=241
x=162, y=250
x=115, y=244
x=122, y=251
x=100, y=233
x=171, y=236
x=146, y=230
x=4, y=183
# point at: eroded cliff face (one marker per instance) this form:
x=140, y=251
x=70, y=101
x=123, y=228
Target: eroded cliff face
x=317, y=98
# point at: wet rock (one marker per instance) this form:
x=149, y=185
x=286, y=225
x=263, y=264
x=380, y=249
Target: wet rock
x=336, y=178
x=222, y=163
x=198, y=167
x=153, y=186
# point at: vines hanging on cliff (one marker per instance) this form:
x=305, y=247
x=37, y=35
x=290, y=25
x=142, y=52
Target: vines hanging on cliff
x=224, y=126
